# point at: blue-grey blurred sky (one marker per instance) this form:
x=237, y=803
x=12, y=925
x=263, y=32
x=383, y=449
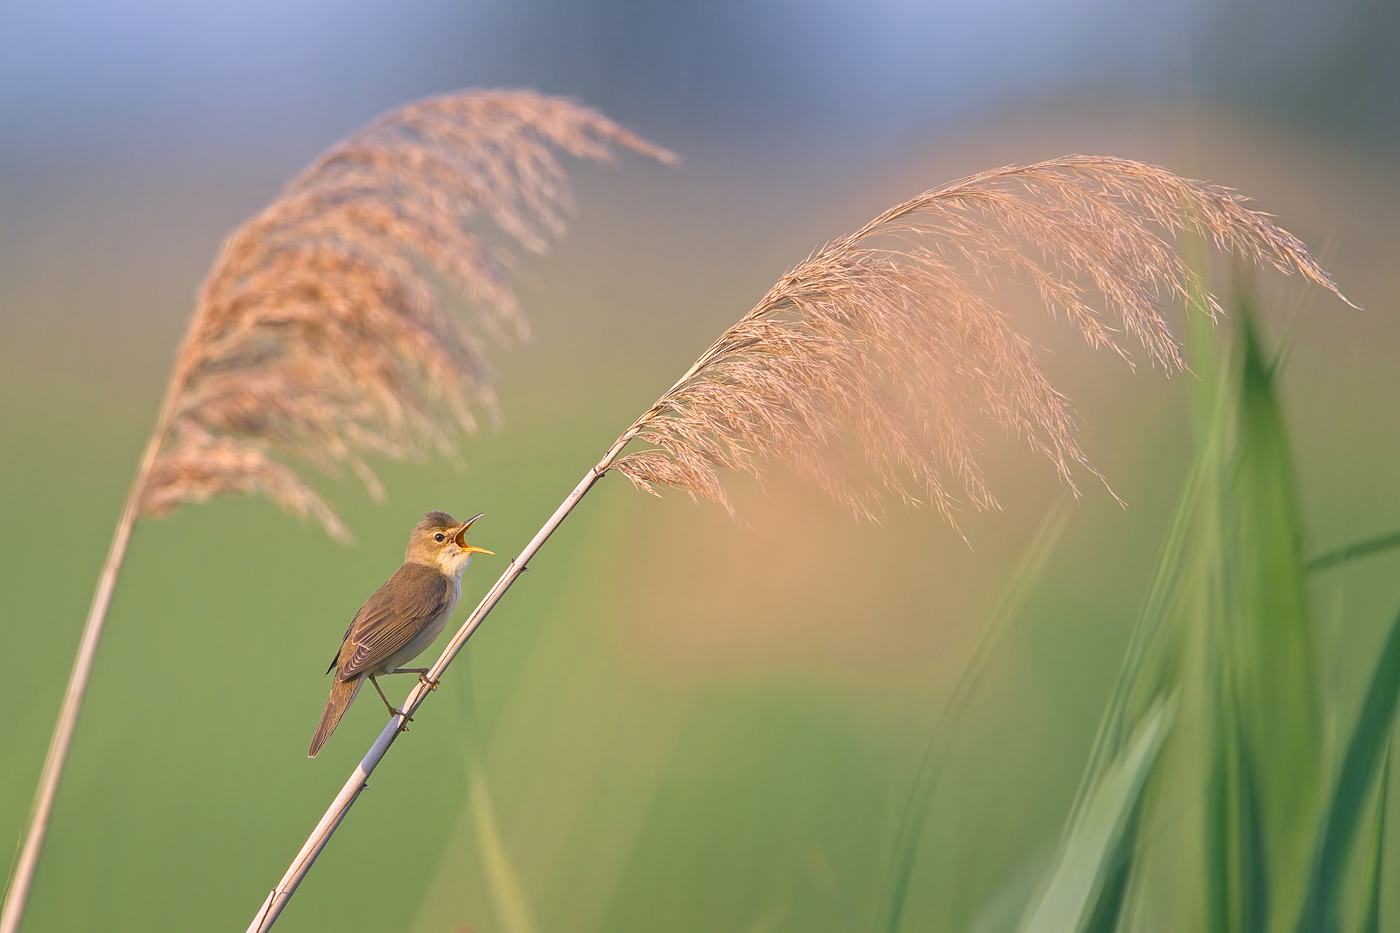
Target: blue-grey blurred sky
x=134, y=135
x=825, y=73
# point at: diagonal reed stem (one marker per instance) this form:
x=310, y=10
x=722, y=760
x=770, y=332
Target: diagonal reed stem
x=22, y=879
x=17, y=895
x=278, y=898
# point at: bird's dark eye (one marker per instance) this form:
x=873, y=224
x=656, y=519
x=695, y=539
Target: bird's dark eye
x=439, y=537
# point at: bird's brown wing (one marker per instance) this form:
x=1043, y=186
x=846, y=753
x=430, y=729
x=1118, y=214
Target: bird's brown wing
x=396, y=612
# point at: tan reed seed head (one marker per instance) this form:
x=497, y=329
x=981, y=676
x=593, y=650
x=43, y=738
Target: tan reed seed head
x=319, y=335
x=867, y=365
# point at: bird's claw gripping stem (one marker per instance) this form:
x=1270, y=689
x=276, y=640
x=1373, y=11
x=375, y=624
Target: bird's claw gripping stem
x=430, y=684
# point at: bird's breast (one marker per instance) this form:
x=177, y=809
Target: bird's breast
x=429, y=632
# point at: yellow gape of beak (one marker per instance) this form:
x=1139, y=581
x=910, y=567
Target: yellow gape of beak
x=460, y=538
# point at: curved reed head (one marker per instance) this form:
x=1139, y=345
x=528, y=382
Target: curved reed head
x=319, y=333
x=868, y=365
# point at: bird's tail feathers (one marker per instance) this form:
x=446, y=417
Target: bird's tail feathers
x=342, y=695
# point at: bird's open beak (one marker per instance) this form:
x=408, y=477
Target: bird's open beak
x=461, y=537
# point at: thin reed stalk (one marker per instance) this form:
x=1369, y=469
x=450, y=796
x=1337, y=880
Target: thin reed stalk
x=279, y=896
x=865, y=364
x=317, y=334
x=22, y=879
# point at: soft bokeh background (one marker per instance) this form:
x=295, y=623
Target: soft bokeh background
x=675, y=721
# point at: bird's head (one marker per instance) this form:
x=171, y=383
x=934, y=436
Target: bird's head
x=440, y=541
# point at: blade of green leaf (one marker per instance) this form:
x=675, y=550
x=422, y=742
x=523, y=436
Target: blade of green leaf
x=1371, y=905
x=1357, y=549
x=1226, y=624
x=1202, y=339
x=1265, y=780
x=1088, y=879
x=1148, y=667
x=1235, y=831
x=916, y=808
x=1274, y=660
x=1321, y=911
x=503, y=879
x=1149, y=662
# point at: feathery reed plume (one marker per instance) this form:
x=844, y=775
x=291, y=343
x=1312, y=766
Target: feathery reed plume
x=864, y=364
x=317, y=331
x=319, y=334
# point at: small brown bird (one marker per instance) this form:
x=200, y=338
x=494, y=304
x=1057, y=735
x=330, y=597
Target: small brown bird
x=403, y=617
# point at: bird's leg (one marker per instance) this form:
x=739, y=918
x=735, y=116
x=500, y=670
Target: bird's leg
x=422, y=673
x=389, y=706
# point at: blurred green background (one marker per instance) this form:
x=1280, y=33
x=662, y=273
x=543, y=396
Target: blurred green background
x=675, y=721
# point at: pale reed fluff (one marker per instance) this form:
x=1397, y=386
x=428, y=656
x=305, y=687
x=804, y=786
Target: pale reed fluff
x=868, y=366
x=319, y=333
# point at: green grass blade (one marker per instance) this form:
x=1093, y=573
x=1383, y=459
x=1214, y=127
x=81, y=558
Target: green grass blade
x=1226, y=624
x=1148, y=662
x=1353, y=551
x=1266, y=585
x=916, y=808
x=1108, y=905
x=1161, y=642
x=1266, y=778
x=1088, y=880
x=1239, y=898
x=1148, y=665
x=507, y=891
x=503, y=879
x=1202, y=341
x=1371, y=904
x=1321, y=911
